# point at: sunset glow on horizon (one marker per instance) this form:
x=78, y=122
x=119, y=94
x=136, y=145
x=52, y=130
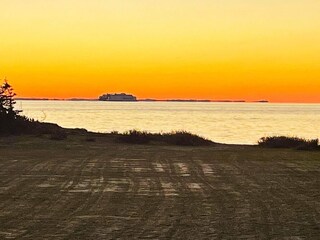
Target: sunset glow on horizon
x=237, y=50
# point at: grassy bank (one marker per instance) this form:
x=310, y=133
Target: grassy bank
x=91, y=186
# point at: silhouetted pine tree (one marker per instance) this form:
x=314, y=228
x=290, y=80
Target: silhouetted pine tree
x=7, y=101
x=8, y=116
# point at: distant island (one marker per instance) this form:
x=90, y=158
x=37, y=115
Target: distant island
x=118, y=97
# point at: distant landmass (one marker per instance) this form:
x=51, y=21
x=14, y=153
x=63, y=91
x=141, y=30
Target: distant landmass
x=187, y=100
x=34, y=99
x=123, y=97
x=57, y=99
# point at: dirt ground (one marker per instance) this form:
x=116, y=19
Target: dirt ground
x=74, y=189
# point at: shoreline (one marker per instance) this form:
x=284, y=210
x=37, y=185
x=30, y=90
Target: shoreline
x=177, y=138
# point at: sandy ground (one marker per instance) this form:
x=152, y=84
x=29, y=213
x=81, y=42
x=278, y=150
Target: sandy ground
x=102, y=190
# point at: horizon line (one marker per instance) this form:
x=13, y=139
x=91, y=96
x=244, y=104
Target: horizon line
x=162, y=100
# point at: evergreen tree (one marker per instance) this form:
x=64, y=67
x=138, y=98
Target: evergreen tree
x=7, y=101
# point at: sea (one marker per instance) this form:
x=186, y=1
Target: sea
x=232, y=123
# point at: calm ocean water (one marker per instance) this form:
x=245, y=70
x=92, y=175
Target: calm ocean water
x=242, y=123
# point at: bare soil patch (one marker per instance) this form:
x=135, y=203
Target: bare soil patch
x=75, y=189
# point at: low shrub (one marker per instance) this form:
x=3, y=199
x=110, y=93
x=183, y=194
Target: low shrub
x=181, y=138
x=309, y=145
x=289, y=142
x=184, y=138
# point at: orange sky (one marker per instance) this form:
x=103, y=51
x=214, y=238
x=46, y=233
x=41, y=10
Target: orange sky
x=236, y=49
